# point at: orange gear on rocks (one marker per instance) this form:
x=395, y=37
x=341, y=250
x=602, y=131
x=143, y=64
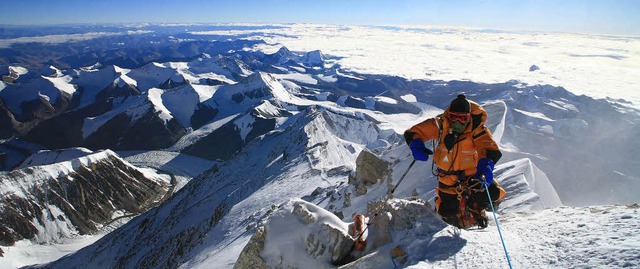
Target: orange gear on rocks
x=356, y=229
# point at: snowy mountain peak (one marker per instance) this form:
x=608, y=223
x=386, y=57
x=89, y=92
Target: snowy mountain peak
x=211, y=67
x=285, y=53
x=261, y=84
x=18, y=70
x=314, y=58
x=60, y=200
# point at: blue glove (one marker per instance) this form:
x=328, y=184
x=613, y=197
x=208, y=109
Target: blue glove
x=485, y=167
x=419, y=151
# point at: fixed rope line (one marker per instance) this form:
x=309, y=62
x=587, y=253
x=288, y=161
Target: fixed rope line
x=486, y=187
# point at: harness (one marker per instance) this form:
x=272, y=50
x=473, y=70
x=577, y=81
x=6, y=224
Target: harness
x=463, y=188
x=464, y=191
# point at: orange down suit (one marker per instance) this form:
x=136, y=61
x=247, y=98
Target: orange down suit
x=466, y=149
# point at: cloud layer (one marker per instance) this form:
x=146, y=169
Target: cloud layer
x=597, y=66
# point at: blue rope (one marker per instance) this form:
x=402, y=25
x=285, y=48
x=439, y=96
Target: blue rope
x=486, y=187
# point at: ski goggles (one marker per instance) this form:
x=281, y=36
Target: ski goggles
x=461, y=117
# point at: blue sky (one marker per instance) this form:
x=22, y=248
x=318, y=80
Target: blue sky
x=582, y=16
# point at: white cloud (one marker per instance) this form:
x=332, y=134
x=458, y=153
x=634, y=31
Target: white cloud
x=54, y=39
x=598, y=66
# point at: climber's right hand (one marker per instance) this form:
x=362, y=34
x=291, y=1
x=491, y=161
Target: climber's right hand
x=419, y=151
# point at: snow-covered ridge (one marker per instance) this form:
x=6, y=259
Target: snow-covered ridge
x=328, y=136
x=45, y=157
x=65, y=199
x=55, y=90
x=528, y=188
x=40, y=174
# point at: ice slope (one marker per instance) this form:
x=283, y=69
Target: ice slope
x=561, y=237
x=533, y=188
x=181, y=167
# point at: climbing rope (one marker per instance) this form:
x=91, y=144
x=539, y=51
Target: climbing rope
x=486, y=187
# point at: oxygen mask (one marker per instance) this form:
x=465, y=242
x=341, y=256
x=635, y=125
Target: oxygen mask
x=458, y=127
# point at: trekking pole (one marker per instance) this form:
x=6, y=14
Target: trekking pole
x=486, y=187
x=388, y=197
x=403, y=175
x=392, y=190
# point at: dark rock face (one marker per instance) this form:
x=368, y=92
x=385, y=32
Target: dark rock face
x=116, y=90
x=370, y=169
x=58, y=132
x=219, y=145
x=86, y=198
x=202, y=115
x=119, y=133
x=6, y=122
x=225, y=141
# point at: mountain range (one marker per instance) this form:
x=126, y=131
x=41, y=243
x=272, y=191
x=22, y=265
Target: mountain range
x=276, y=138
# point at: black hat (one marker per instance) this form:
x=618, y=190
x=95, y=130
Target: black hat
x=460, y=105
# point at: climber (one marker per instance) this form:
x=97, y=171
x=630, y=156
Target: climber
x=358, y=231
x=464, y=156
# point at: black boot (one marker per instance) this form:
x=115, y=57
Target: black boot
x=481, y=219
x=453, y=221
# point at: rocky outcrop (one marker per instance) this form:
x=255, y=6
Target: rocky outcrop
x=323, y=240
x=396, y=215
x=250, y=255
x=326, y=243
x=370, y=169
